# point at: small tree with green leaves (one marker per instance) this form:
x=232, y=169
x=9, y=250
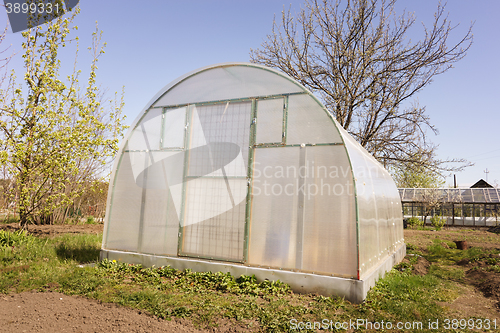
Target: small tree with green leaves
x=438, y=222
x=416, y=176
x=54, y=136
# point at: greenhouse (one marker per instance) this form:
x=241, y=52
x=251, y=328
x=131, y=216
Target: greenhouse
x=238, y=168
x=471, y=207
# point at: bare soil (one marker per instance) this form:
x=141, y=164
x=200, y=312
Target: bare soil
x=55, y=312
x=53, y=230
x=480, y=294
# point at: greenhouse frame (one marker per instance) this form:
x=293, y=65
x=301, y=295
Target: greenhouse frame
x=238, y=168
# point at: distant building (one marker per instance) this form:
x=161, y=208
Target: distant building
x=475, y=206
x=481, y=184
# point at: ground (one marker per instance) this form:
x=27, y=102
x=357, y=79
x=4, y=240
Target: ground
x=480, y=295
x=55, y=312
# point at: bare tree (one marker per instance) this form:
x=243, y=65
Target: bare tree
x=358, y=57
x=432, y=199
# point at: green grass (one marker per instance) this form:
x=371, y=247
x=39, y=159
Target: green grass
x=28, y=262
x=9, y=219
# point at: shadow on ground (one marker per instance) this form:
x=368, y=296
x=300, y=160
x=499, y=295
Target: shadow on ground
x=80, y=253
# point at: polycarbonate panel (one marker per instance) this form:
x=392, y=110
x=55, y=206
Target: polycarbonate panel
x=160, y=226
x=494, y=197
x=125, y=212
x=368, y=224
x=219, y=140
x=330, y=214
x=409, y=194
x=269, y=120
x=219, y=237
x=454, y=195
x=479, y=195
x=216, y=183
x=223, y=83
x=273, y=227
x=467, y=195
x=303, y=212
x=379, y=208
x=174, y=123
x=308, y=123
x=208, y=197
x=146, y=135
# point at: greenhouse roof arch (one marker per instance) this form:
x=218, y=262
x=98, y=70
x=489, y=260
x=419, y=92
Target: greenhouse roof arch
x=237, y=167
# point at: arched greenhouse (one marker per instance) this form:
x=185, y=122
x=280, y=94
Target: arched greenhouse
x=238, y=168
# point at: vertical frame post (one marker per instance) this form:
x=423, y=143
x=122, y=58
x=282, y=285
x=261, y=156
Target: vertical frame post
x=187, y=144
x=285, y=120
x=251, y=151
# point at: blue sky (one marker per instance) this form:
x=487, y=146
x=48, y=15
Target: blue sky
x=150, y=43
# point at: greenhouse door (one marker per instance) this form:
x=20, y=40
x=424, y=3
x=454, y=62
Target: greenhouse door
x=215, y=181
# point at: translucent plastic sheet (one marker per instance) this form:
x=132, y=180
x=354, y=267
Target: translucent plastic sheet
x=143, y=215
x=308, y=123
x=379, y=208
x=303, y=212
x=330, y=213
x=273, y=227
x=224, y=83
x=173, y=128
x=146, y=135
x=269, y=120
x=125, y=213
x=160, y=225
x=216, y=183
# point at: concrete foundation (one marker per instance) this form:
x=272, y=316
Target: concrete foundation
x=351, y=289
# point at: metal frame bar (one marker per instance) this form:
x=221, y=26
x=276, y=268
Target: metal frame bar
x=285, y=120
x=187, y=141
x=274, y=145
x=217, y=177
x=248, y=207
x=153, y=150
x=162, y=128
x=232, y=100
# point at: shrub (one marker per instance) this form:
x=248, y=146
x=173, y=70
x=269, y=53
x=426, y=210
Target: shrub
x=438, y=222
x=16, y=238
x=415, y=222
